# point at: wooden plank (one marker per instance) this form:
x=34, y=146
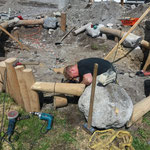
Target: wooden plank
x=12, y=81
x=23, y=88
x=33, y=96
x=62, y=88
x=63, y=21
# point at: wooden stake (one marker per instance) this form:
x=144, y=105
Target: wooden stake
x=33, y=96
x=23, y=88
x=63, y=88
x=2, y=72
x=139, y=110
x=124, y=37
x=147, y=63
x=12, y=81
x=63, y=21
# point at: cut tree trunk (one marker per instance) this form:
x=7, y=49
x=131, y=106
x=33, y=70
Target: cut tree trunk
x=62, y=88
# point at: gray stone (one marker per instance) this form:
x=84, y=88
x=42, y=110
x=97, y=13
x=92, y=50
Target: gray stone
x=50, y=23
x=57, y=14
x=133, y=6
x=132, y=40
x=112, y=106
x=131, y=75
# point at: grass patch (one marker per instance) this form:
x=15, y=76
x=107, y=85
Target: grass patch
x=139, y=144
x=141, y=137
x=62, y=135
x=30, y=136
x=95, y=46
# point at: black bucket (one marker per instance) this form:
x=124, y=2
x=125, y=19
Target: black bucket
x=147, y=87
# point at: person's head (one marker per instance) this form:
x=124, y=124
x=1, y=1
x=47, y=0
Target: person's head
x=70, y=72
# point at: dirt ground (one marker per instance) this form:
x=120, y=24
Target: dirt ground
x=43, y=49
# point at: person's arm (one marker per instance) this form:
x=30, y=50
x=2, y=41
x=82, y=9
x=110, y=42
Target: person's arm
x=87, y=79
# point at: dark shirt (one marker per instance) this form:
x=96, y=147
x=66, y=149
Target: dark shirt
x=87, y=66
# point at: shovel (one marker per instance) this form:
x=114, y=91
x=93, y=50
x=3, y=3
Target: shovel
x=60, y=42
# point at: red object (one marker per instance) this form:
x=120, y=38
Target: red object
x=19, y=63
x=129, y=22
x=20, y=17
x=92, y=25
x=146, y=73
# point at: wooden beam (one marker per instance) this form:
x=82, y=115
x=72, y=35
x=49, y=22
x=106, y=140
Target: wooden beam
x=17, y=22
x=12, y=81
x=23, y=88
x=118, y=33
x=124, y=37
x=30, y=22
x=139, y=110
x=33, y=96
x=62, y=88
x=81, y=29
x=111, y=31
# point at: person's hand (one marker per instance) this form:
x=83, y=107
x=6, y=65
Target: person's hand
x=87, y=79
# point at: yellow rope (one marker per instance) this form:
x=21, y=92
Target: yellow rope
x=111, y=140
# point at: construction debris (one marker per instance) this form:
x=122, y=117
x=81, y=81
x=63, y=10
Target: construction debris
x=115, y=92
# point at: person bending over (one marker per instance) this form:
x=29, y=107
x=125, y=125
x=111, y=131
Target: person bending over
x=84, y=69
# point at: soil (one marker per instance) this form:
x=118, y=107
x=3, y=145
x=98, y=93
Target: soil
x=74, y=48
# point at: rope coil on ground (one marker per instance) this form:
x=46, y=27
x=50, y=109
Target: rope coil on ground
x=111, y=140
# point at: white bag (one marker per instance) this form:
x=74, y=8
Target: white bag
x=94, y=31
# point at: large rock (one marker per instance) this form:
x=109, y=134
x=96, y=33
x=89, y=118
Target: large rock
x=112, y=106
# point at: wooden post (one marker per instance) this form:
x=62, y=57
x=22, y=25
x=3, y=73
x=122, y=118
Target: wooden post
x=63, y=21
x=33, y=96
x=122, y=2
x=2, y=72
x=12, y=81
x=139, y=110
x=23, y=88
x=147, y=63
